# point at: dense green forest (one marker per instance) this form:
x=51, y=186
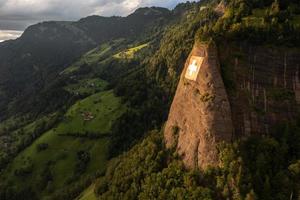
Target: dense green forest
x=93, y=124
x=256, y=168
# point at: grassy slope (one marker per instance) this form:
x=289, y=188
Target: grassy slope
x=68, y=137
x=88, y=194
x=23, y=130
x=86, y=86
x=105, y=108
x=90, y=57
x=96, y=55
x=62, y=149
x=129, y=53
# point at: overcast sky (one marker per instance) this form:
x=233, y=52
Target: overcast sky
x=16, y=15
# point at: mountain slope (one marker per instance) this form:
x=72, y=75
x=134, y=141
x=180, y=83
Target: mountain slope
x=78, y=143
x=87, y=142
x=262, y=83
x=58, y=151
x=47, y=48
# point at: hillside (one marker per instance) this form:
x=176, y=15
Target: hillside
x=198, y=102
x=47, y=48
x=75, y=147
x=75, y=140
x=259, y=69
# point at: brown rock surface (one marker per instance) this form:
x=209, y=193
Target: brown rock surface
x=264, y=91
x=200, y=115
x=220, y=9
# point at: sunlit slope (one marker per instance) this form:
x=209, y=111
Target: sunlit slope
x=55, y=159
x=91, y=57
x=116, y=50
x=129, y=53
x=88, y=194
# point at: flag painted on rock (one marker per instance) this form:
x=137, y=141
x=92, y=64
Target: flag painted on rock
x=194, y=68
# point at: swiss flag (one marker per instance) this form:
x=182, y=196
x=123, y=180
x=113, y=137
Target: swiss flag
x=194, y=68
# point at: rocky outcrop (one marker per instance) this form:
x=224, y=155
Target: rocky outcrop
x=263, y=86
x=220, y=9
x=200, y=115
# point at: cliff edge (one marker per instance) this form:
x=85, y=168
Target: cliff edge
x=200, y=115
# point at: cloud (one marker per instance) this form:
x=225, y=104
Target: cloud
x=8, y=34
x=18, y=14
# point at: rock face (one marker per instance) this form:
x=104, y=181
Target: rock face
x=263, y=86
x=220, y=9
x=200, y=115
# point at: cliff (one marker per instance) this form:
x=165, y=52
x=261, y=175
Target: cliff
x=200, y=115
x=263, y=93
x=264, y=88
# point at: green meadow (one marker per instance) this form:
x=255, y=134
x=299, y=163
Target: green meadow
x=91, y=57
x=129, y=53
x=87, y=86
x=104, y=107
x=56, y=165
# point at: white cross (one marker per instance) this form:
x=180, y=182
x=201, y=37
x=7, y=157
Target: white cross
x=193, y=68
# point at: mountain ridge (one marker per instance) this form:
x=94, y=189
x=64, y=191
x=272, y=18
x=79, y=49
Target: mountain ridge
x=52, y=46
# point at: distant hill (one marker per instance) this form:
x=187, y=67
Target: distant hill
x=29, y=63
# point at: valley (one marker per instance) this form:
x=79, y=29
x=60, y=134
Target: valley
x=196, y=102
x=57, y=151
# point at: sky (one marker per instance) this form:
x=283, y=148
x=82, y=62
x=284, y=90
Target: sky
x=16, y=15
